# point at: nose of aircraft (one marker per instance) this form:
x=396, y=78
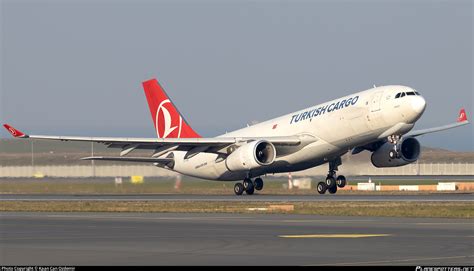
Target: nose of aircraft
x=418, y=104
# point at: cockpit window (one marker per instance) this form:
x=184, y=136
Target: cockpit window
x=403, y=94
x=417, y=93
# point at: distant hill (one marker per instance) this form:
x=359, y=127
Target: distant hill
x=18, y=152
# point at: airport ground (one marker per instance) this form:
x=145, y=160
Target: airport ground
x=231, y=239
x=55, y=221
x=397, y=207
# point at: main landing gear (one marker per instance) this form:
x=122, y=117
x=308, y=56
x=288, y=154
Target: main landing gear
x=248, y=186
x=332, y=181
x=331, y=184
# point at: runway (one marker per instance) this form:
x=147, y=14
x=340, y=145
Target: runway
x=259, y=198
x=231, y=239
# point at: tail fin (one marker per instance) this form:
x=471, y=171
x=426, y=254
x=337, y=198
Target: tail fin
x=167, y=120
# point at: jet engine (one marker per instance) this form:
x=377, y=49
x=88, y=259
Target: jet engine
x=251, y=155
x=408, y=152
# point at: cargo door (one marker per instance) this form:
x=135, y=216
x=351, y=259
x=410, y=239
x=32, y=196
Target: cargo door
x=374, y=116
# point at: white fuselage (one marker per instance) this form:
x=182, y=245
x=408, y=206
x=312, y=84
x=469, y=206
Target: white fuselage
x=327, y=131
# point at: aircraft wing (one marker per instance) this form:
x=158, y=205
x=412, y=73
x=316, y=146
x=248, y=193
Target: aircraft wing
x=462, y=120
x=129, y=144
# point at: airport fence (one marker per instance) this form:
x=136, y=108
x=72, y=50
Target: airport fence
x=150, y=171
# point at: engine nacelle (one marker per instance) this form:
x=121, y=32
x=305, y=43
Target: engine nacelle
x=408, y=149
x=251, y=155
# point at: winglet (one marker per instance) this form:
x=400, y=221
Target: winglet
x=14, y=132
x=462, y=115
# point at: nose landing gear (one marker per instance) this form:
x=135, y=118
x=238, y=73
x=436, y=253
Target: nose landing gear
x=394, y=139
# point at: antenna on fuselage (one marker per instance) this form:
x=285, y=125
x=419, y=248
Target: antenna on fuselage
x=375, y=86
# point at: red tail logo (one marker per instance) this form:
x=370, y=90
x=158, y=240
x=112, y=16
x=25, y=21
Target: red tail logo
x=167, y=120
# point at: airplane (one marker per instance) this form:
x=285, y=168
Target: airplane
x=378, y=120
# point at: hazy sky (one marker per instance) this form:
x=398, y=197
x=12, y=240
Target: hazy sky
x=76, y=67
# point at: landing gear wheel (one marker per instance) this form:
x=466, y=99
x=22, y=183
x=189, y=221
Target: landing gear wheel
x=247, y=183
x=322, y=187
x=392, y=154
x=250, y=190
x=341, y=181
x=258, y=184
x=330, y=182
x=332, y=190
x=238, y=189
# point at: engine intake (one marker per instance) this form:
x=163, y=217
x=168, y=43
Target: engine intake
x=251, y=155
x=409, y=152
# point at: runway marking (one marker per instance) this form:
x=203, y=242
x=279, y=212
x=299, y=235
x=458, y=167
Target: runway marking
x=400, y=260
x=334, y=235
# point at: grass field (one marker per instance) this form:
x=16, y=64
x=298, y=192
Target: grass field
x=273, y=185
x=392, y=209
x=197, y=186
